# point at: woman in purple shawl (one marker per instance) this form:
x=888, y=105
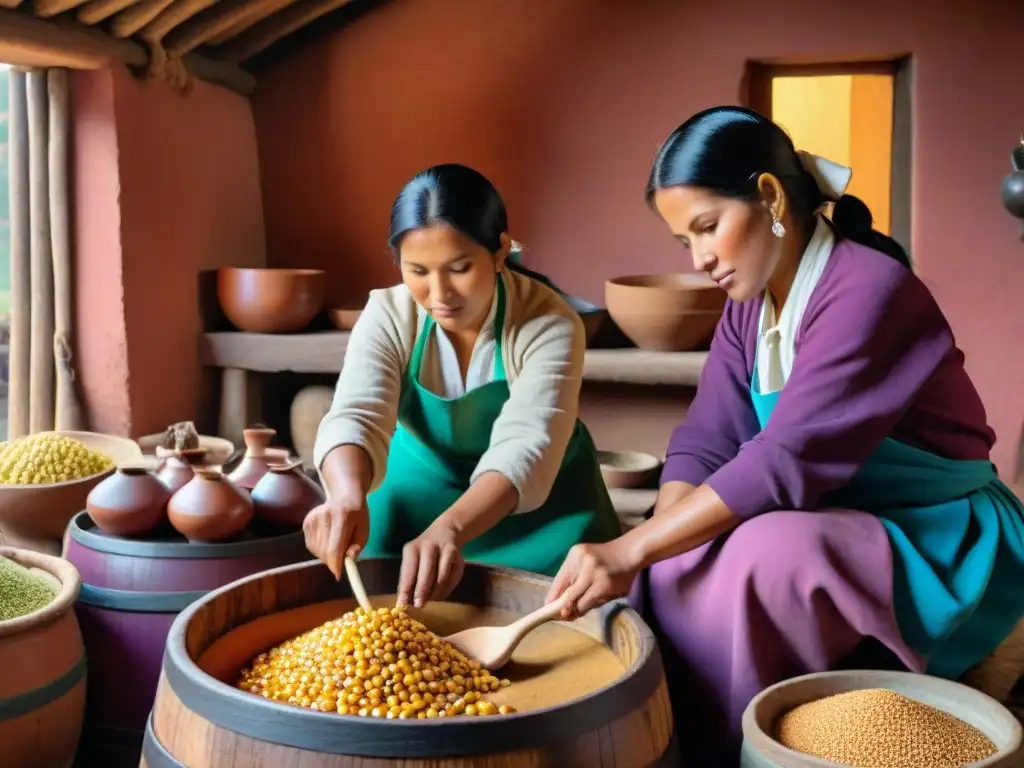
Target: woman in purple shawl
x=830, y=488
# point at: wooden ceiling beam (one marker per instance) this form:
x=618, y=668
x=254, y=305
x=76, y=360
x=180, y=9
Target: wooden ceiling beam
x=222, y=18
x=254, y=18
x=28, y=41
x=132, y=19
x=95, y=11
x=45, y=9
x=274, y=27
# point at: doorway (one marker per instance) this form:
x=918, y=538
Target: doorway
x=854, y=114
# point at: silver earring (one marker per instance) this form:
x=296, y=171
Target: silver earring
x=777, y=229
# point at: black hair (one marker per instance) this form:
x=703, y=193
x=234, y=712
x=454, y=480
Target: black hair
x=455, y=195
x=726, y=149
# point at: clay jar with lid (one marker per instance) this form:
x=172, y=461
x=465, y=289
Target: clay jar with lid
x=285, y=495
x=130, y=502
x=254, y=463
x=178, y=468
x=209, y=507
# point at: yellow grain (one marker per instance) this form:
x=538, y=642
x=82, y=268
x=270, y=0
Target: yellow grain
x=379, y=664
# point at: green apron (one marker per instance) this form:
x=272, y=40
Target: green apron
x=434, y=451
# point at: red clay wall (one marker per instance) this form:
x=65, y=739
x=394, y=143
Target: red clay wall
x=165, y=187
x=563, y=104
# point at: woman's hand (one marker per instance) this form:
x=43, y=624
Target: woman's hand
x=593, y=574
x=336, y=529
x=432, y=567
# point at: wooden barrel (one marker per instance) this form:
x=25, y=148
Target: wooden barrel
x=42, y=674
x=132, y=590
x=200, y=720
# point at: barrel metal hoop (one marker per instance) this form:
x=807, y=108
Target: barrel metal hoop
x=154, y=753
x=82, y=530
x=253, y=716
x=138, y=602
x=30, y=701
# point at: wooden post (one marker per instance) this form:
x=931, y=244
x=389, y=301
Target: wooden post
x=41, y=367
x=241, y=400
x=68, y=409
x=21, y=297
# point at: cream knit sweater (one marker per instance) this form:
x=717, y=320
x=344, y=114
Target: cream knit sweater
x=542, y=346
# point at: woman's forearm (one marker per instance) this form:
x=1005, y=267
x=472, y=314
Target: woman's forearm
x=347, y=472
x=670, y=494
x=697, y=518
x=486, y=503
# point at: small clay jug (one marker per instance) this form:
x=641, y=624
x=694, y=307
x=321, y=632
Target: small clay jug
x=130, y=502
x=178, y=468
x=209, y=507
x=285, y=495
x=254, y=463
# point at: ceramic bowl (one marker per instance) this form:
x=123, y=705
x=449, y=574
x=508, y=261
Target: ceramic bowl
x=627, y=469
x=271, y=300
x=36, y=516
x=344, y=318
x=671, y=312
x=761, y=750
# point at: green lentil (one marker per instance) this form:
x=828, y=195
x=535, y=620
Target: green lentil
x=21, y=591
x=876, y=728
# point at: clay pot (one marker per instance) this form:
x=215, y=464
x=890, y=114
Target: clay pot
x=761, y=750
x=210, y=507
x=271, y=300
x=285, y=495
x=43, y=682
x=130, y=502
x=675, y=313
x=254, y=463
x=178, y=468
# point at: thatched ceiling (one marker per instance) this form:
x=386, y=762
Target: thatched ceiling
x=223, y=41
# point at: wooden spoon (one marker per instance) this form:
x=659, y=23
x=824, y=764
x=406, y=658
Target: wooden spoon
x=494, y=646
x=356, y=582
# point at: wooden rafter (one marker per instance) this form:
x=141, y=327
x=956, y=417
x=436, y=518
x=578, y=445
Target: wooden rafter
x=222, y=18
x=135, y=17
x=95, y=11
x=44, y=9
x=273, y=28
x=240, y=27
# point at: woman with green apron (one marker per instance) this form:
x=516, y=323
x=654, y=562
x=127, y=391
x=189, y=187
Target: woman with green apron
x=453, y=432
x=830, y=490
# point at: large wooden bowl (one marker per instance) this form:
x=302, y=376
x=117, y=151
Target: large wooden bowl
x=36, y=516
x=761, y=750
x=271, y=300
x=671, y=312
x=199, y=719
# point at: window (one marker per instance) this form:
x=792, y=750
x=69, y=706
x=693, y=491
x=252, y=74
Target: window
x=854, y=114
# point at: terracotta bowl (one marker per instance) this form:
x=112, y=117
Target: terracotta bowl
x=627, y=469
x=761, y=750
x=344, y=318
x=35, y=516
x=218, y=449
x=271, y=300
x=672, y=312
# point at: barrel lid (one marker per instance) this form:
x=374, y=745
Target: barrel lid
x=83, y=531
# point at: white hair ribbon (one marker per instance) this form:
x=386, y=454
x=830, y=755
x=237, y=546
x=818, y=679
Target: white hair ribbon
x=832, y=178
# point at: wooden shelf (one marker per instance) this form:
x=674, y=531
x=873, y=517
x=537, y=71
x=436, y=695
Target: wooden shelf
x=324, y=352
